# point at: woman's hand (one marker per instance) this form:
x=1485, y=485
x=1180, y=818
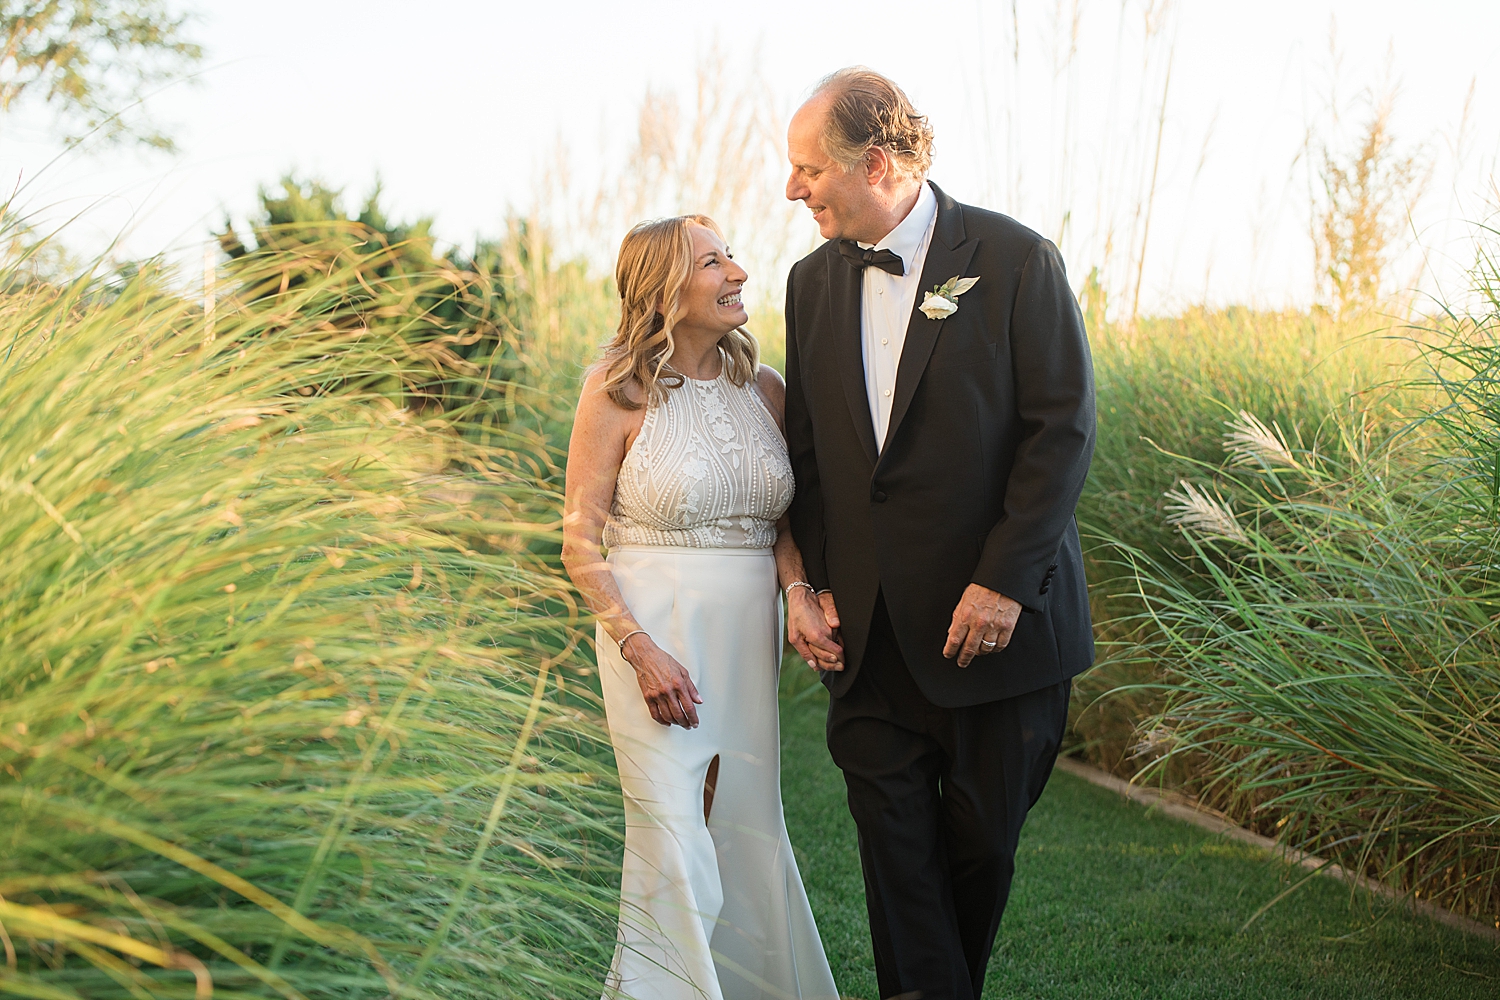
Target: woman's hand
x=669, y=692
x=809, y=632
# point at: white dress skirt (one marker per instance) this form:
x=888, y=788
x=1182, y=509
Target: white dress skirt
x=713, y=909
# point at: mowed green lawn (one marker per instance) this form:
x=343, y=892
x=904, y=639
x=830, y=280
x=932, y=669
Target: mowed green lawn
x=1111, y=901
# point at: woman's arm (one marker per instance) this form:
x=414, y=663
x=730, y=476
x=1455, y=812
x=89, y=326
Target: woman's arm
x=602, y=432
x=807, y=627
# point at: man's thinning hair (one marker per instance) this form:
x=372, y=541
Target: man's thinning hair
x=868, y=110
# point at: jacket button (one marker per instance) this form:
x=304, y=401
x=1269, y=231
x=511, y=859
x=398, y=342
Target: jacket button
x=880, y=496
x=1042, y=589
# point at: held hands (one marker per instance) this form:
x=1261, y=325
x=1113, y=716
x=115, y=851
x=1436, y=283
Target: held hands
x=982, y=623
x=812, y=627
x=669, y=692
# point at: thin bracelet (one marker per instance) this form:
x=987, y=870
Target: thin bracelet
x=622, y=642
x=800, y=583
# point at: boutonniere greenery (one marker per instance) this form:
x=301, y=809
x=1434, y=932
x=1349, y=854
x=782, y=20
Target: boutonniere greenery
x=942, y=301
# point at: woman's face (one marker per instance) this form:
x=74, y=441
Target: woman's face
x=710, y=300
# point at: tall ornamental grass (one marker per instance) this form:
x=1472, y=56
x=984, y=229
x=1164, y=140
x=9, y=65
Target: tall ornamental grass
x=1331, y=639
x=1167, y=388
x=288, y=704
x=1167, y=391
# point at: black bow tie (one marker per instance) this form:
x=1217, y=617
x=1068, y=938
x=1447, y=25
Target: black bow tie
x=862, y=258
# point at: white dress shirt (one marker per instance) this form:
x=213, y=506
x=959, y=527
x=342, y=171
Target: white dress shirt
x=886, y=304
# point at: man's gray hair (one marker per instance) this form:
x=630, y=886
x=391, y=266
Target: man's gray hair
x=868, y=110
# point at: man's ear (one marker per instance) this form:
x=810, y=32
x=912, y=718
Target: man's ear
x=877, y=166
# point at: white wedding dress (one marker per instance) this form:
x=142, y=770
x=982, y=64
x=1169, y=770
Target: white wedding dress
x=713, y=909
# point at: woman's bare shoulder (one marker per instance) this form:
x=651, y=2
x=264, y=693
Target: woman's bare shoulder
x=769, y=381
x=772, y=389
x=596, y=400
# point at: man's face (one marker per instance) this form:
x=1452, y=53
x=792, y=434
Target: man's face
x=841, y=203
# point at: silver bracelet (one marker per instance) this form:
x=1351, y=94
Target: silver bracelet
x=622, y=642
x=800, y=583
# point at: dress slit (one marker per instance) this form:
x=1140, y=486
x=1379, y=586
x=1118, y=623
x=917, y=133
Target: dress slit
x=710, y=785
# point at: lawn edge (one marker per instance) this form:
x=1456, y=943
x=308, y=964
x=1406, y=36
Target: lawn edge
x=1183, y=808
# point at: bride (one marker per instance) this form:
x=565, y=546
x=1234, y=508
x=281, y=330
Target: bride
x=678, y=465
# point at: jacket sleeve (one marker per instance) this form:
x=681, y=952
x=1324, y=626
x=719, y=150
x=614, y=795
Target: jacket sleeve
x=807, y=503
x=1054, y=392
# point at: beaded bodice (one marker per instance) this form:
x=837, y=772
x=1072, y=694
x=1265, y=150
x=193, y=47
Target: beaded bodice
x=708, y=470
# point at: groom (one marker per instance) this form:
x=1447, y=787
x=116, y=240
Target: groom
x=940, y=443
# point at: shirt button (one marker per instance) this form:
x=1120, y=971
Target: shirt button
x=888, y=392
x=879, y=290
x=884, y=341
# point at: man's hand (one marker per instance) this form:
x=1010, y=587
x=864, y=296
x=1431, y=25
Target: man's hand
x=830, y=614
x=810, y=630
x=982, y=623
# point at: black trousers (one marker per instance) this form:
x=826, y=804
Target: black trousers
x=938, y=796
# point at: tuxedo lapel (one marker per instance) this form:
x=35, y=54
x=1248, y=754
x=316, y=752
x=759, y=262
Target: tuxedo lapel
x=948, y=256
x=845, y=285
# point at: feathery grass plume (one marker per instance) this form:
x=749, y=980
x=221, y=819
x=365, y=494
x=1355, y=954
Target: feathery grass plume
x=285, y=694
x=1195, y=512
x=1250, y=442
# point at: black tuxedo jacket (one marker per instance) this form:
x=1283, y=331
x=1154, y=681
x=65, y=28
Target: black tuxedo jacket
x=991, y=433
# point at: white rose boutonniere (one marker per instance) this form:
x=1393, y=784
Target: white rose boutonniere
x=942, y=301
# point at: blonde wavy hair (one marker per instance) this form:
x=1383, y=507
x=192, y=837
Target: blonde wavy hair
x=655, y=263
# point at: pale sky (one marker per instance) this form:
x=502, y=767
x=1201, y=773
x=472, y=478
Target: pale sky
x=460, y=107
